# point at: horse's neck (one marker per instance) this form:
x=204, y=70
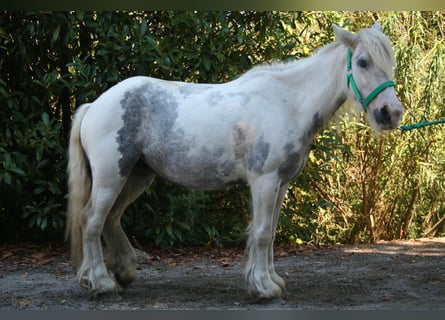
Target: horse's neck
x=318, y=83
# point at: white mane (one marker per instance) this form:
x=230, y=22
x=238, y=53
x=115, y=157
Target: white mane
x=286, y=65
x=376, y=43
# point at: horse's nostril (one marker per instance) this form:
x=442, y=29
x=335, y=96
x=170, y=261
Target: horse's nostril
x=386, y=116
x=384, y=112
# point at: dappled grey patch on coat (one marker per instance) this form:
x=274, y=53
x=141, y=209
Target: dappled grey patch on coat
x=146, y=107
x=217, y=98
x=296, y=159
x=289, y=147
x=317, y=124
x=166, y=152
x=258, y=154
x=239, y=138
x=293, y=165
x=211, y=169
x=243, y=98
x=128, y=137
x=308, y=136
x=193, y=88
x=214, y=98
x=339, y=102
x=206, y=169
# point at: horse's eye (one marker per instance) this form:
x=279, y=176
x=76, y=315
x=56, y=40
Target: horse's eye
x=362, y=63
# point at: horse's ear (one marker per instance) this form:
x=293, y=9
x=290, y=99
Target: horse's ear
x=377, y=26
x=342, y=35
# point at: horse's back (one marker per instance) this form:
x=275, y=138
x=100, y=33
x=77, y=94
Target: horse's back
x=199, y=135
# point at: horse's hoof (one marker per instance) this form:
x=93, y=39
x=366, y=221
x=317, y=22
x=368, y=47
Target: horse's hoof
x=284, y=294
x=86, y=284
x=123, y=282
x=96, y=289
x=106, y=293
x=112, y=296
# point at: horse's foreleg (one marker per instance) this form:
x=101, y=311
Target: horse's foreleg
x=276, y=215
x=120, y=256
x=93, y=274
x=261, y=282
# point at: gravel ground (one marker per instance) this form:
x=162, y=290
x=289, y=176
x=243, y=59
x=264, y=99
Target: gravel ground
x=387, y=275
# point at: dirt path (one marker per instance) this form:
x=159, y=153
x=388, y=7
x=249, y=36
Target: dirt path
x=387, y=275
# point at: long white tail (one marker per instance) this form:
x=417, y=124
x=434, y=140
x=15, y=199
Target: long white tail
x=79, y=186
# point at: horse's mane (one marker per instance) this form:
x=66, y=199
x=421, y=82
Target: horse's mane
x=376, y=43
x=285, y=65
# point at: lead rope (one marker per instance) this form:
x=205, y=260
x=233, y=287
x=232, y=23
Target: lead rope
x=421, y=124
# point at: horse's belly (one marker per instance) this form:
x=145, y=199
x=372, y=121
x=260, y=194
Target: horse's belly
x=205, y=168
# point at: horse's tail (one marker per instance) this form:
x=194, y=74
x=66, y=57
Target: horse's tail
x=79, y=186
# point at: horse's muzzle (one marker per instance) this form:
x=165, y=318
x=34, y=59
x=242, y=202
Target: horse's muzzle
x=388, y=116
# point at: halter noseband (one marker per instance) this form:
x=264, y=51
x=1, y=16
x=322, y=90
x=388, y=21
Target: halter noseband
x=364, y=102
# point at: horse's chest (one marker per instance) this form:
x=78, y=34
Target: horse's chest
x=293, y=163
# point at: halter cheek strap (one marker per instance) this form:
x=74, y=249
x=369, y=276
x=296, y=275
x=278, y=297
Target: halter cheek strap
x=363, y=101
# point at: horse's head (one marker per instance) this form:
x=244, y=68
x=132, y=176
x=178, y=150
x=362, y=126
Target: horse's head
x=370, y=71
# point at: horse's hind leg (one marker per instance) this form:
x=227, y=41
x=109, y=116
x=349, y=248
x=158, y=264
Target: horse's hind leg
x=120, y=256
x=93, y=274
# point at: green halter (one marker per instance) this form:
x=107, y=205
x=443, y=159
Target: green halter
x=364, y=102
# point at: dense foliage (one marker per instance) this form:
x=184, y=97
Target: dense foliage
x=356, y=187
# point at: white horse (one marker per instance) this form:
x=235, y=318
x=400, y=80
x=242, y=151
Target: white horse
x=256, y=129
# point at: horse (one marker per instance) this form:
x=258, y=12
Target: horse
x=256, y=129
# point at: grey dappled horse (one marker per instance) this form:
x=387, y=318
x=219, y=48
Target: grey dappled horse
x=256, y=129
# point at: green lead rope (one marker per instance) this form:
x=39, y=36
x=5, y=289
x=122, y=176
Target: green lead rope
x=421, y=124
